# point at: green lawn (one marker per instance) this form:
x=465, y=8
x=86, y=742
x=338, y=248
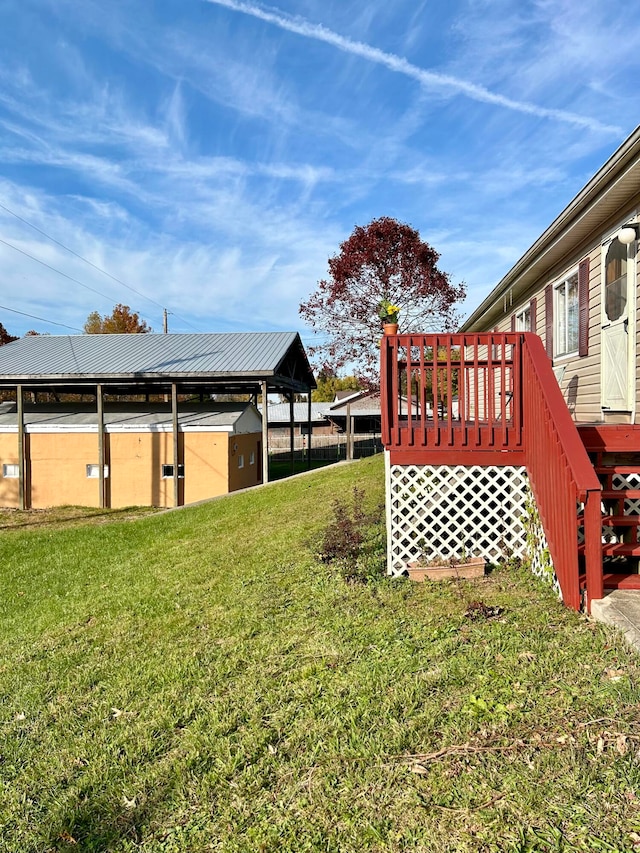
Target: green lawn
x=197, y=681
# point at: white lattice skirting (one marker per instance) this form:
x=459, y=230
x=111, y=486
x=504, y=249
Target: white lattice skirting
x=445, y=511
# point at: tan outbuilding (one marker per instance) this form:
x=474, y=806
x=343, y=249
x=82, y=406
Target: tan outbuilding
x=219, y=445
x=126, y=446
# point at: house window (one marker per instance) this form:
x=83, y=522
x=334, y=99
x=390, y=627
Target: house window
x=615, y=285
x=11, y=471
x=93, y=471
x=252, y=458
x=523, y=320
x=167, y=472
x=566, y=315
x=240, y=460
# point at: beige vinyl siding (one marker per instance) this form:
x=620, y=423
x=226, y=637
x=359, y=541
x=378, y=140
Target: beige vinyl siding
x=580, y=382
x=637, y=310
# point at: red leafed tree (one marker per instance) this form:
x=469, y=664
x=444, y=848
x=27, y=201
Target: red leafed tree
x=383, y=260
x=120, y=321
x=5, y=337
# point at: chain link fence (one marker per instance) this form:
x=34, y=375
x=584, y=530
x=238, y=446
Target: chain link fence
x=325, y=447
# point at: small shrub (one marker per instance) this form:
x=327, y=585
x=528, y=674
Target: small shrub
x=352, y=539
x=343, y=536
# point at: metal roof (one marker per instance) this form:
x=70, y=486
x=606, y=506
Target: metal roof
x=609, y=195
x=279, y=412
x=277, y=357
x=221, y=416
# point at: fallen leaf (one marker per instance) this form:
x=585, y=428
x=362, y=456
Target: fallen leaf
x=272, y=749
x=129, y=804
x=600, y=745
x=20, y=717
x=621, y=744
x=420, y=769
x=527, y=656
x=116, y=712
x=614, y=674
x=69, y=839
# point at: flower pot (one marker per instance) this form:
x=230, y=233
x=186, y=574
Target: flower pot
x=471, y=568
x=390, y=328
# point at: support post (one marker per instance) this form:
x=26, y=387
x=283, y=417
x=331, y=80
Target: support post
x=265, y=435
x=100, y=407
x=349, y=436
x=22, y=503
x=176, y=448
x=309, y=428
x=292, y=450
x=593, y=548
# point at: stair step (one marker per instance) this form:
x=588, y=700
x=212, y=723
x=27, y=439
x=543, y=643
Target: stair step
x=610, y=438
x=612, y=494
x=621, y=581
x=620, y=549
x=617, y=469
x=616, y=549
x=621, y=520
x=615, y=520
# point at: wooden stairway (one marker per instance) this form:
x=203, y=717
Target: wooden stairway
x=615, y=453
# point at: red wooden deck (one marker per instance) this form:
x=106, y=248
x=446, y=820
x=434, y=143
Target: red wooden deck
x=492, y=399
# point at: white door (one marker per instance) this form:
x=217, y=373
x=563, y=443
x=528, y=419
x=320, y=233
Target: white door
x=616, y=340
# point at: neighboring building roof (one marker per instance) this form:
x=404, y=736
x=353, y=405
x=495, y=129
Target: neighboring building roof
x=607, y=196
x=236, y=418
x=276, y=357
x=361, y=403
x=279, y=413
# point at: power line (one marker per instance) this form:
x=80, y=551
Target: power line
x=53, y=269
x=41, y=319
x=86, y=261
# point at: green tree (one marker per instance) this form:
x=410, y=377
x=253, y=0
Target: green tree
x=329, y=384
x=120, y=321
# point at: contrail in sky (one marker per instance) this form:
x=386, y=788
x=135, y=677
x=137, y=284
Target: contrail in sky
x=429, y=79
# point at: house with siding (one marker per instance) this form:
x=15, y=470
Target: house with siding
x=543, y=455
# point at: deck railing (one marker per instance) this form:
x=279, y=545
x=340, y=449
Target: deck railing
x=451, y=391
x=447, y=395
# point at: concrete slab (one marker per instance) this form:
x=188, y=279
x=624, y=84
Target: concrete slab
x=621, y=608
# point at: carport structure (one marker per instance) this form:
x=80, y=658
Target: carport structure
x=171, y=365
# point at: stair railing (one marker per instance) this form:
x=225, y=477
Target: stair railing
x=561, y=475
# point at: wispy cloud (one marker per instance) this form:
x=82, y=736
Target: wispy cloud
x=398, y=64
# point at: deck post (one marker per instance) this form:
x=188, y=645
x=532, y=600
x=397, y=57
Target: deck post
x=265, y=434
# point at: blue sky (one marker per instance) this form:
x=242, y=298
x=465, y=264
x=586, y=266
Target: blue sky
x=212, y=154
